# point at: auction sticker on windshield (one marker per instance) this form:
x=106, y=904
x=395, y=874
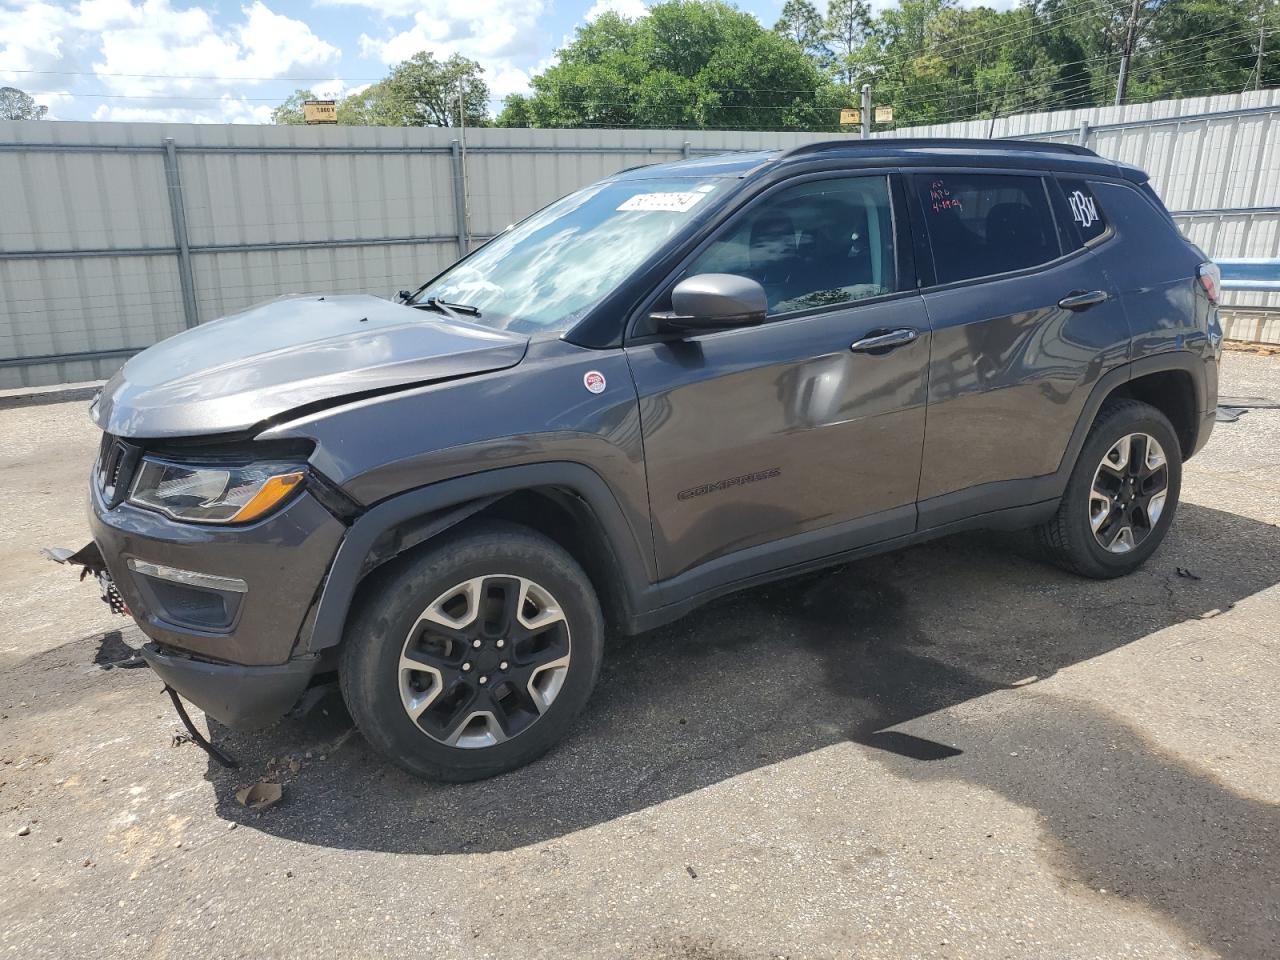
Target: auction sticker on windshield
x=669, y=202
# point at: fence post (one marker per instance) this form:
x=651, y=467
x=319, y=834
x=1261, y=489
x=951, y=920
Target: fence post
x=686, y=149
x=1082, y=138
x=460, y=199
x=173, y=177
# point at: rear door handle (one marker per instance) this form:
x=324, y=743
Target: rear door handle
x=1079, y=300
x=884, y=341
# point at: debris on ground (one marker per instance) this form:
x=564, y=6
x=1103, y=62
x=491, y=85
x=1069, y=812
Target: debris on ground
x=259, y=796
x=1184, y=572
x=1230, y=409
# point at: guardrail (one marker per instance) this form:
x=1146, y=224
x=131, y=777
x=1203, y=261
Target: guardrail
x=1250, y=273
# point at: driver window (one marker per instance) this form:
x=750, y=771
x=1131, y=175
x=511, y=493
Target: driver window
x=812, y=245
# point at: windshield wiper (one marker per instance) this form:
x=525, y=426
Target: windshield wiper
x=451, y=310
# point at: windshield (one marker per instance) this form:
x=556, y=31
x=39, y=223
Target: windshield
x=547, y=271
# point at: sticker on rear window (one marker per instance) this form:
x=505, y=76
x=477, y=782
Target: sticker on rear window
x=667, y=202
x=1083, y=209
x=1089, y=217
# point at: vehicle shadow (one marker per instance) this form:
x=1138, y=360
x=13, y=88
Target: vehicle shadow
x=776, y=672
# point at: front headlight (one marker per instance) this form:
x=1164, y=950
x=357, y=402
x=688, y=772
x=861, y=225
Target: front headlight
x=213, y=492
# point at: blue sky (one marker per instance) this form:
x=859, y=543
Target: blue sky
x=230, y=61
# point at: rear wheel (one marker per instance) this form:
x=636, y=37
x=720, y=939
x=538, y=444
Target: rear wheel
x=1122, y=494
x=475, y=656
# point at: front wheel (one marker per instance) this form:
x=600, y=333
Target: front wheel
x=473, y=657
x=1121, y=496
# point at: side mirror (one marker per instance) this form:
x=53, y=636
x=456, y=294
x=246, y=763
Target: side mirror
x=714, y=301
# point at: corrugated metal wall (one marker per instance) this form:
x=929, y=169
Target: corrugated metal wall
x=90, y=262
x=91, y=214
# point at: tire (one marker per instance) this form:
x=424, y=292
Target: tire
x=1069, y=536
x=508, y=632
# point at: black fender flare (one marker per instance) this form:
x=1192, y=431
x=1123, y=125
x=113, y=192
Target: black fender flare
x=454, y=500
x=1183, y=361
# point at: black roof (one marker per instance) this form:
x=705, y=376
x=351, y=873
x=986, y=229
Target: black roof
x=905, y=151
x=936, y=144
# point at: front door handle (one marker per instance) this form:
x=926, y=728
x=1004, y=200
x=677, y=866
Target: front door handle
x=1081, y=300
x=884, y=341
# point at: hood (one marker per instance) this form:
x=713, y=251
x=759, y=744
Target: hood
x=234, y=373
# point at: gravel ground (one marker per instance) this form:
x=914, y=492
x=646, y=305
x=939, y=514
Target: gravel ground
x=953, y=751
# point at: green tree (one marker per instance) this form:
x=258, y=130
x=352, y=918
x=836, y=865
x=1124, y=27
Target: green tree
x=705, y=63
x=689, y=63
x=1196, y=47
x=848, y=27
x=420, y=92
x=801, y=22
x=515, y=112
x=291, y=110
x=17, y=105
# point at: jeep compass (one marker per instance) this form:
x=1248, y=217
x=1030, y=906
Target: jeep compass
x=681, y=381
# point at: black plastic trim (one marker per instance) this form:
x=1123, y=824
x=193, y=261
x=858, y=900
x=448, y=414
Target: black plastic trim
x=235, y=695
x=1011, y=518
x=350, y=563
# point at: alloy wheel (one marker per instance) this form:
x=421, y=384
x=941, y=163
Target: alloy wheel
x=484, y=661
x=1129, y=491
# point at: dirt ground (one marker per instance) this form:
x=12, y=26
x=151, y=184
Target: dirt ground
x=955, y=751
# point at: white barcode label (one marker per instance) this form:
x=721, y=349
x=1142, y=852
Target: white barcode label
x=668, y=202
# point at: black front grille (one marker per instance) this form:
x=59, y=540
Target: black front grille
x=117, y=461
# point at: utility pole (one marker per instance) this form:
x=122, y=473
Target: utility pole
x=866, y=111
x=1126, y=53
x=1262, y=39
x=466, y=191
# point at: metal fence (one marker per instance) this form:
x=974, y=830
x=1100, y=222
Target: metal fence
x=114, y=236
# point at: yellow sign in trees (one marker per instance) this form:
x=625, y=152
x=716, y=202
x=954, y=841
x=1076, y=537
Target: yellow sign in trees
x=320, y=111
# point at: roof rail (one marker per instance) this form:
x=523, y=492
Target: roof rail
x=960, y=143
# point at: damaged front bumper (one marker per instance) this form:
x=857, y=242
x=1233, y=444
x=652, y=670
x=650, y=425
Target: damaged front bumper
x=225, y=608
x=237, y=696
x=89, y=559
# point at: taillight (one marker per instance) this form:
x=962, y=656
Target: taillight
x=1210, y=278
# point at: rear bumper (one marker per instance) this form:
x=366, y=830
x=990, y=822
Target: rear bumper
x=237, y=696
x=1205, y=430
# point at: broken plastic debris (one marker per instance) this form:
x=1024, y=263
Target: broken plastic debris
x=260, y=795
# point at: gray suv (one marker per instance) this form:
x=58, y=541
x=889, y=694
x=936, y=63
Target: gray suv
x=682, y=381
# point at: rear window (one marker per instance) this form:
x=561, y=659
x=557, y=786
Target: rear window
x=982, y=224
x=1086, y=213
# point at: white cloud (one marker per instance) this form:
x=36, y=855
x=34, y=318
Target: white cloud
x=35, y=37
x=631, y=9
x=224, y=110
x=500, y=34
x=142, y=50
x=337, y=88
x=153, y=37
